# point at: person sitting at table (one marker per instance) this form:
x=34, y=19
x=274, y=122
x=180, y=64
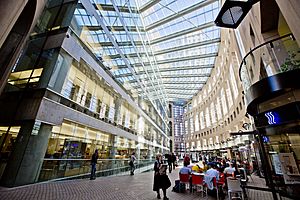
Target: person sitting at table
x=187, y=160
x=229, y=171
x=196, y=168
x=203, y=166
x=209, y=175
x=185, y=169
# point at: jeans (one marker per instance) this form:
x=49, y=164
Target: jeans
x=132, y=168
x=170, y=167
x=93, y=171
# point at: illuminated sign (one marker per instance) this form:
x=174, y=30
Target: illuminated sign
x=273, y=118
x=265, y=139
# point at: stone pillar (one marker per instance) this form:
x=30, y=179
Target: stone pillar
x=26, y=160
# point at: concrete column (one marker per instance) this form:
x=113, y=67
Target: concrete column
x=140, y=101
x=113, y=147
x=26, y=160
x=138, y=151
x=290, y=10
x=229, y=154
x=118, y=104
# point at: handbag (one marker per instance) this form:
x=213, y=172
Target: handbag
x=168, y=182
x=131, y=163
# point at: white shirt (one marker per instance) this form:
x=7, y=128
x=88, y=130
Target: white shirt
x=229, y=170
x=212, y=172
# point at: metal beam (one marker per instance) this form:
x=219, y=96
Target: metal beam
x=187, y=58
x=116, y=28
x=148, y=5
x=186, y=68
x=173, y=93
x=110, y=44
x=178, y=88
x=179, y=68
x=183, y=32
x=179, y=14
x=173, y=88
x=130, y=55
x=177, y=95
x=169, y=75
x=172, y=83
x=193, y=45
x=187, y=46
x=172, y=60
x=131, y=68
x=184, y=75
x=108, y=7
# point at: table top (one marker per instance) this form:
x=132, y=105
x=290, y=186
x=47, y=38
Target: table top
x=198, y=174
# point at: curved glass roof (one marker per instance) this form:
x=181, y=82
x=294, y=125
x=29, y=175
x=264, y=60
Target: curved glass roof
x=161, y=50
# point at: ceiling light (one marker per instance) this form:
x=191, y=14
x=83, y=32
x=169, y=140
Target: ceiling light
x=233, y=12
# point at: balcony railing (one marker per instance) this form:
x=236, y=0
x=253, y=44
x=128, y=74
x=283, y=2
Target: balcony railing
x=270, y=58
x=56, y=169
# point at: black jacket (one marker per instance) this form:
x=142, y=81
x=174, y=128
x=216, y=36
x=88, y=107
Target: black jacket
x=94, y=158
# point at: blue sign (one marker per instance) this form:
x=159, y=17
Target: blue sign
x=265, y=139
x=273, y=118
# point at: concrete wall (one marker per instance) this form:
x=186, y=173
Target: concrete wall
x=291, y=12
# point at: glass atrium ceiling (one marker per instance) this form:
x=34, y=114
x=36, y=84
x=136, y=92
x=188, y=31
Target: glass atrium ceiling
x=162, y=50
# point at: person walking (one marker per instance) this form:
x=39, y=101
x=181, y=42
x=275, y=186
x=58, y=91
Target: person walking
x=170, y=161
x=93, y=164
x=131, y=163
x=161, y=179
x=174, y=160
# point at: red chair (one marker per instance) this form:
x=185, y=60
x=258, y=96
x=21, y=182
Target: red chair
x=216, y=186
x=197, y=180
x=228, y=175
x=184, y=179
x=222, y=179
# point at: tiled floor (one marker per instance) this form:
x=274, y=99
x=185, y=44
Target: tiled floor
x=125, y=187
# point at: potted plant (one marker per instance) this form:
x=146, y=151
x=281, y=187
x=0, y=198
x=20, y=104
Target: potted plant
x=291, y=62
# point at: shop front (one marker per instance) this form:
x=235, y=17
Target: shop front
x=277, y=119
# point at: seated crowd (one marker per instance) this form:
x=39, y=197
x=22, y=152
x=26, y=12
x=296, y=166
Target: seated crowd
x=216, y=169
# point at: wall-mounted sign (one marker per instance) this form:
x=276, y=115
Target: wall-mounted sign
x=277, y=116
x=273, y=117
x=36, y=128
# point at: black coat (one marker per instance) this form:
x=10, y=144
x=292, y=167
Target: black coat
x=160, y=181
x=94, y=158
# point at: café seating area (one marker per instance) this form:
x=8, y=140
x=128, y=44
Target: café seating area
x=222, y=186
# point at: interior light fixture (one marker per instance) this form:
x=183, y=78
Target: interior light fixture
x=233, y=12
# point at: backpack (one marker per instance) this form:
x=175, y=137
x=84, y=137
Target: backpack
x=179, y=187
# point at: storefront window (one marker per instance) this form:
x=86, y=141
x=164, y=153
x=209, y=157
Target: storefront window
x=74, y=141
x=284, y=154
x=7, y=141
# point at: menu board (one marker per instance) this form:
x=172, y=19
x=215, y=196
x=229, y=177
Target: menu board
x=276, y=164
x=289, y=168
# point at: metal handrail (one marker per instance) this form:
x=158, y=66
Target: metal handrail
x=257, y=47
x=80, y=159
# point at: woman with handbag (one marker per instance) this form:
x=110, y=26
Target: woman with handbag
x=161, y=179
x=132, y=163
